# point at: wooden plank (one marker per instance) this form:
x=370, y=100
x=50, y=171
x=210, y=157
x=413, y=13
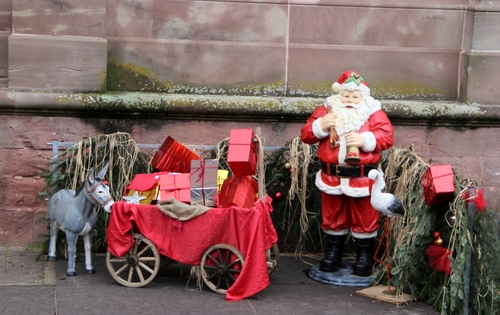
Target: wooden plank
x=260, y=164
x=381, y=293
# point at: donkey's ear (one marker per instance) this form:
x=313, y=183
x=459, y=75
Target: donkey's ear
x=101, y=174
x=90, y=176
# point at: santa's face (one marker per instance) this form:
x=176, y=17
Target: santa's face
x=351, y=109
x=351, y=99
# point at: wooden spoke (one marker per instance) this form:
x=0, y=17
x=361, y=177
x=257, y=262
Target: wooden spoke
x=220, y=266
x=272, y=258
x=138, y=267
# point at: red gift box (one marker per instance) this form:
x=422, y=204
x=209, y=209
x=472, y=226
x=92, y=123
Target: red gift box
x=238, y=191
x=242, y=154
x=438, y=184
x=175, y=185
x=146, y=185
x=172, y=156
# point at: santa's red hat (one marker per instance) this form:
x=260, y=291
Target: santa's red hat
x=351, y=81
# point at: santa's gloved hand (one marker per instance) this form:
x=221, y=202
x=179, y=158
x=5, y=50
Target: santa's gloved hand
x=327, y=122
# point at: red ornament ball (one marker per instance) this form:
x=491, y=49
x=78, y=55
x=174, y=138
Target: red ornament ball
x=436, y=235
x=278, y=196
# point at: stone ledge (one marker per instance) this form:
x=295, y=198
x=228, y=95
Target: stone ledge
x=232, y=108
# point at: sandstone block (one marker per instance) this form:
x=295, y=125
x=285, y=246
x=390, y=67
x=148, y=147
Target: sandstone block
x=80, y=18
x=16, y=227
x=57, y=63
x=4, y=36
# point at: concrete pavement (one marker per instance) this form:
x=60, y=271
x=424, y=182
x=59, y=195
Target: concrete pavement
x=30, y=286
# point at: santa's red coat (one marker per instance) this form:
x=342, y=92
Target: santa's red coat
x=378, y=127
x=339, y=214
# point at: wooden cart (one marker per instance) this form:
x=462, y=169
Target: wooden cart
x=221, y=264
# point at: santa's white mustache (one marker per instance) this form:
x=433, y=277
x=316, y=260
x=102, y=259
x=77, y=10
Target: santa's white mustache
x=350, y=105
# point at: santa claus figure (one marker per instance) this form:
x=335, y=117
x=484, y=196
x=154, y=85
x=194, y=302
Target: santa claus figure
x=351, y=118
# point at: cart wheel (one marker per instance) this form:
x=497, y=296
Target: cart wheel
x=221, y=265
x=138, y=267
x=272, y=257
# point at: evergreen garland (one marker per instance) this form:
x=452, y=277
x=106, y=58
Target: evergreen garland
x=411, y=236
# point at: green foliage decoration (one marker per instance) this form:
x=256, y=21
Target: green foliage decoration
x=298, y=231
x=471, y=237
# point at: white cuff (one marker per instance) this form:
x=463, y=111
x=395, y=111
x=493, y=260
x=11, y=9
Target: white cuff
x=341, y=232
x=370, y=142
x=364, y=235
x=316, y=129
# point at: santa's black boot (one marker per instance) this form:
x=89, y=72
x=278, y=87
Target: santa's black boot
x=363, y=266
x=333, y=253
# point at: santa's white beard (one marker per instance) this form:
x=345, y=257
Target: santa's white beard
x=349, y=119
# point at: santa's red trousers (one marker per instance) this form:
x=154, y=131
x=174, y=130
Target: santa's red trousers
x=340, y=212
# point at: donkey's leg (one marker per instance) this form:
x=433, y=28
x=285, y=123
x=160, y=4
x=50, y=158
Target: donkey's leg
x=53, y=230
x=71, y=238
x=87, y=241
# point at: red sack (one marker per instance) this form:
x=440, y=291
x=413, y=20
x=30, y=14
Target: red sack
x=439, y=258
x=173, y=157
x=238, y=191
x=438, y=185
x=242, y=152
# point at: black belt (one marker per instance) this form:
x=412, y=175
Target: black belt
x=347, y=170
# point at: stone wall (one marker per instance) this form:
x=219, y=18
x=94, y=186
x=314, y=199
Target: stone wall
x=444, y=50
x=196, y=69
x=459, y=137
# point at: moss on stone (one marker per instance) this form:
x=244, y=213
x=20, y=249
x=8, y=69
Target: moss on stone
x=131, y=77
x=405, y=90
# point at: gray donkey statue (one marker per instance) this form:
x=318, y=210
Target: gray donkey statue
x=74, y=213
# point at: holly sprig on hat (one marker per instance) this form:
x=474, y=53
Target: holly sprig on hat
x=356, y=78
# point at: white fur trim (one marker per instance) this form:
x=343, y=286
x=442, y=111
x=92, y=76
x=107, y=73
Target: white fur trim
x=370, y=142
x=364, y=235
x=372, y=103
x=351, y=86
x=342, y=189
x=342, y=149
x=332, y=232
x=336, y=87
x=316, y=129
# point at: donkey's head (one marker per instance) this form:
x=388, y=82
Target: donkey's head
x=98, y=190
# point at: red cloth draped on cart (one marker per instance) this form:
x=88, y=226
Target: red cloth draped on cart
x=250, y=230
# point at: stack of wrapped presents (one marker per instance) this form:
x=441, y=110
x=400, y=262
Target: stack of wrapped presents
x=185, y=176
